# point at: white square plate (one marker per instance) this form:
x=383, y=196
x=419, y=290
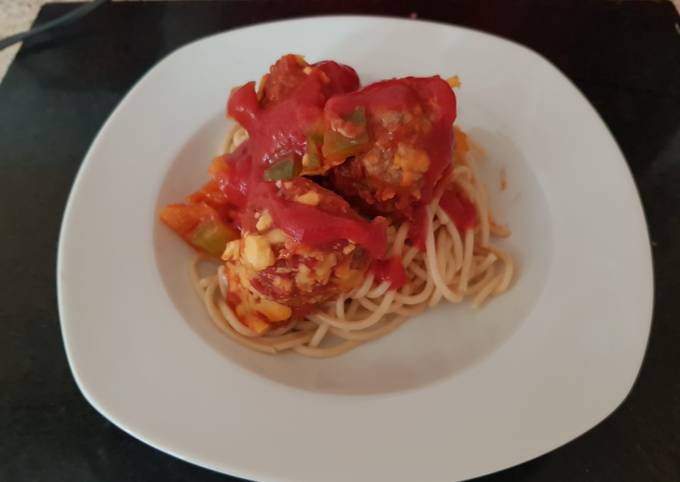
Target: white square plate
x=453, y=394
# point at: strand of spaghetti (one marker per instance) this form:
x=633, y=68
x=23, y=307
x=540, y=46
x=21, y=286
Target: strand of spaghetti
x=352, y=310
x=482, y=212
x=235, y=137
x=467, y=259
x=486, y=291
x=410, y=256
x=193, y=271
x=484, y=195
x=416, y=298
x=433, y=269
x=318, y=335
x=482, y=282
x=407, y=289
x=499, y=231
x=508, y=271
x=286, y=339
x=327, y=352
x=363, y=289
x=293, y=342
x=443, y=268
x=420, y=272
x=450, y=272
x=358, y=324
x=400, y=238
x=435, y=298
x=360, y=314
x=444, y=254
x=436, y=224
x=368, y=335
x=227, y=147
x=484, y=265
x=204, y=282
x=217, y=319
x=440, y=246
x=222, y=281
x=455, y=236
x=340, y=307
x=484, y=225
x=395, y=308
x=379, y=290
x=282, y=330
x=479, y=186
x=368, y=304
x=450, y=255
x=483, y=202
x=233, y=320
x=371, y=306
x=305, y=325
x=504, y=258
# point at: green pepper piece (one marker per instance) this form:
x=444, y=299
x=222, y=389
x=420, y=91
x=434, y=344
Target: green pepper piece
x=284, y=169
x=338, y=147
x=212, y=237
x=313, y=160
x=358, y=116
x=314, y=142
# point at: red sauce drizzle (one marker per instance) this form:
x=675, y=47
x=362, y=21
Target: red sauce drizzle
x=431, y=96
x=390, y=270
x=281, y=130
x=460, y=209
x=417, y=231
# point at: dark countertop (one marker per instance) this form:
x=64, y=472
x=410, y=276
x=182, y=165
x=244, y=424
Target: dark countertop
x=625, y=57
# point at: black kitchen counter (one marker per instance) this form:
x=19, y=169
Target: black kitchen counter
x=625, y=57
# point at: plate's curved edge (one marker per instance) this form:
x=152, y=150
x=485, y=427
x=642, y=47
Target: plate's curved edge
x=232, y=470
x=567, y=439
x=647, y=262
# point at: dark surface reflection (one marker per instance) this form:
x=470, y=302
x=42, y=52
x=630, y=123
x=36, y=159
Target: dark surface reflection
x=625, y=56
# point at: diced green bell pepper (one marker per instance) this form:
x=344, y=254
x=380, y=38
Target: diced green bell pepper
x=358, y=116
x=212, y=237
x=314, y=142
x=338, y=147
x=284, y=169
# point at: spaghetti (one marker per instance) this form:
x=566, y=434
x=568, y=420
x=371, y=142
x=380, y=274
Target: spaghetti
x=453, y=260
x=455, y=266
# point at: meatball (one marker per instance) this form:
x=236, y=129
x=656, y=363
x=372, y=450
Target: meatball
x=284, y=76
x=273, y=277
x=400, y=139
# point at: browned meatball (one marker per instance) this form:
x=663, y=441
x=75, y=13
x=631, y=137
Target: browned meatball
x=398, y=138
x=274, y=278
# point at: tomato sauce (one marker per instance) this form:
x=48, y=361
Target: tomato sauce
x=281, y=129
x=413, y=111
x=417, y=231
x=391, y=270
x=460, y=209
x=297, y=100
